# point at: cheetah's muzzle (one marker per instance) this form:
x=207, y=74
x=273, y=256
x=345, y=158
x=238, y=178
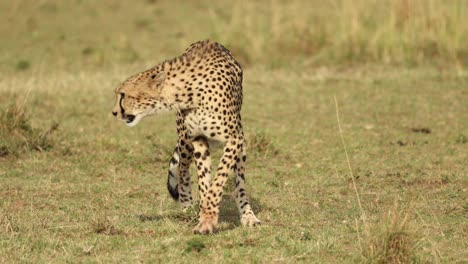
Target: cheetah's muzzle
x=130, y=118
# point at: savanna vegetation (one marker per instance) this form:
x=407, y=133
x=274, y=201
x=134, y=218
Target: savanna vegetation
x=355, y=111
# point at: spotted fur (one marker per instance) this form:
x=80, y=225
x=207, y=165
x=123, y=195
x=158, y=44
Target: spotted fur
x=204, y=87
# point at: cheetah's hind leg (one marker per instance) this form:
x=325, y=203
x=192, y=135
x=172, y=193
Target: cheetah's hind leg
x=247, y=216
x=178, y=180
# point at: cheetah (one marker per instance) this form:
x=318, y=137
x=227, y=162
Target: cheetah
x=203, y=86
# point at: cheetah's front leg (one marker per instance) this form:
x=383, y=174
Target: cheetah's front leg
x=209, y=203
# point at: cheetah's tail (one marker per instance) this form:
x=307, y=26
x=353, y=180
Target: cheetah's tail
x=173, y=176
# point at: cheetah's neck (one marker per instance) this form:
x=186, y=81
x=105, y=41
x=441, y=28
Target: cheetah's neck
x=180, y=89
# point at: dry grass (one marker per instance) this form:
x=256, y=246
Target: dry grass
x=389, y=242
x=389, y=31
x=270, y=32
x=392, y=240
x=261, y=145
x=105, y=225
x=99, y=194
x=17, y=135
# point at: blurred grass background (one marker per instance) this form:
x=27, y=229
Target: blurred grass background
x=78, y=186
x=78, y=35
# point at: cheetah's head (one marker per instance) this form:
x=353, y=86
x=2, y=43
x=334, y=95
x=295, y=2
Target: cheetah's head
x=139, y=96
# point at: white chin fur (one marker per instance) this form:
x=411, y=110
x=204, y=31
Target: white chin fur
x=135, y=121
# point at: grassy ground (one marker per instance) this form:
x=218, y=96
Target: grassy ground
x=78, y=186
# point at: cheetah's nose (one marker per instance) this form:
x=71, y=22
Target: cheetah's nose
x=114, y=113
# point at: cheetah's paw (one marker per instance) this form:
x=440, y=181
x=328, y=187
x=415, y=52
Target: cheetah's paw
x=250, y=220
x=206, y=225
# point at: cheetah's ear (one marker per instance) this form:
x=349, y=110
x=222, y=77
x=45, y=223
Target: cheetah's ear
x=156, y=80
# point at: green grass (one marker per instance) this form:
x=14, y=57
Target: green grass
x=97, y=192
